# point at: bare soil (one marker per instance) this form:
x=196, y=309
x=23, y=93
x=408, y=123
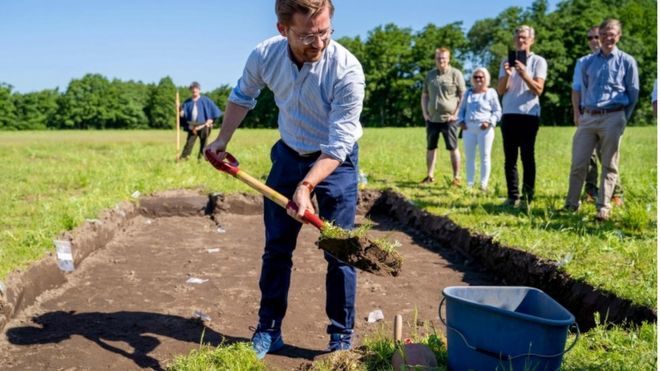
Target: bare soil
x=128, y=304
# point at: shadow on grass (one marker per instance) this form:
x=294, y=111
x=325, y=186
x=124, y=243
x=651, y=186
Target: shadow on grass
x=132, y=328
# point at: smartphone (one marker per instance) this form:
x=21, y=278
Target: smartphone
x=512, y=58
x=521, y=56
x=517, y=55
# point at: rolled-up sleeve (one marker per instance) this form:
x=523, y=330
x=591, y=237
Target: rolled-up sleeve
x=344, y=118
x=249, y=86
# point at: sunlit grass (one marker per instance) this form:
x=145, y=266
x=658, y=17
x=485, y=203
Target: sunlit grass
x=53, y=181
x=235, y=357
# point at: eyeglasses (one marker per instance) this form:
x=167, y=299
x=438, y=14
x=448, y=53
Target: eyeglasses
x=309, y=38
x=478, y=77
x=592, y=37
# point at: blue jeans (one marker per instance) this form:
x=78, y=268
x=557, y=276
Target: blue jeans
x=337, y=199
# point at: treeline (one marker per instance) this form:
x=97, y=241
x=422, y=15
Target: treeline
x=395, y=61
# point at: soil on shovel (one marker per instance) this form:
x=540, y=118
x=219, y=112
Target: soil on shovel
x=132, y=304
x=363, y=253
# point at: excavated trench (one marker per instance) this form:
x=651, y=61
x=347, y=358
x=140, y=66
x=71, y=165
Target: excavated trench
x=131, y=292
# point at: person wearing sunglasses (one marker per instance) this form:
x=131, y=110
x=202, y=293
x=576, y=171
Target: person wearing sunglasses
x=319, y=88
x=591, y=181
x=478, y=114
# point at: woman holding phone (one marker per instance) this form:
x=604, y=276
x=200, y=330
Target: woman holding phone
x=479, y=113
x=520, y=85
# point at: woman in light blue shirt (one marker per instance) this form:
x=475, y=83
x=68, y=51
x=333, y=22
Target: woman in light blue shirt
x=479, y=113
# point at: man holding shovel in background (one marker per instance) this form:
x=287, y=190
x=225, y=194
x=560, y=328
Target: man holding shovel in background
x=319, y=88
x=198, y=113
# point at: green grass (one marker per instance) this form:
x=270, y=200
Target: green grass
x=377, y=350
x=53, y=181
x=332, y=232
x=618, y=255
x=235, y=357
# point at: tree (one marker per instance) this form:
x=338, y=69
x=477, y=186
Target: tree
x=83, y=105
x=388, y=70
x=264, y=114
x=35, y=110
x=161, y=108
x=7, y=108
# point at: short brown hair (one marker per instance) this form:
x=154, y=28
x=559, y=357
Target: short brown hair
x=285, y=9
x=443, y=50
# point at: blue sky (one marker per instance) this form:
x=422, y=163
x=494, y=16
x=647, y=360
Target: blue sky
x=46, y=43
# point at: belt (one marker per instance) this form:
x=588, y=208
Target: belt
x=305, y=155
x=603, y=110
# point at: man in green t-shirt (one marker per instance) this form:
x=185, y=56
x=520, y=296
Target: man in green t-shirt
x=441, y=97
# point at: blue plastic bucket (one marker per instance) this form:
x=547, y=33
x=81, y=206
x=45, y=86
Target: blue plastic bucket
x=505, y=328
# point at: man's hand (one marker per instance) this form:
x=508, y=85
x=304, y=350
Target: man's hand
x=485, y=125
x=521, y=69
x=576, y=118
x=218, y=147
x=507, y=69
x=303, y=198
x=427, y=118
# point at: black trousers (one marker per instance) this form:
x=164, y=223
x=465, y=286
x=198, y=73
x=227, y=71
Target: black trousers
x=519, y=134
x=203, y=135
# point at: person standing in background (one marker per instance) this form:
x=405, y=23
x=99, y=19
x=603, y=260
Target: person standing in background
x=441, y=96
x=610, y=90
x=591, y=183
x=479, y=113
x=520, y=86
x=198, y=113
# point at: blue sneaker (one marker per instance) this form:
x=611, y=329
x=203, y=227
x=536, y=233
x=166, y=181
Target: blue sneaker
x=266, y=342
x=340, y=342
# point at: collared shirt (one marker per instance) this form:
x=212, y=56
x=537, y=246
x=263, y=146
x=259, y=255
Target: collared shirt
x=445, y=89
x=577, y=77
x=480, y=107
x=577, y=73
x=610, y=81
x=518, y=98
x=319, y=105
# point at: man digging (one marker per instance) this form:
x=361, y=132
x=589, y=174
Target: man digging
x=319, y=88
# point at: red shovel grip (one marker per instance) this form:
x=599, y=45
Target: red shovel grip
x=308, y=217
x=229, y=164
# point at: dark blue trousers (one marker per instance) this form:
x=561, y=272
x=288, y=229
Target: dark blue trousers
x=337, y=199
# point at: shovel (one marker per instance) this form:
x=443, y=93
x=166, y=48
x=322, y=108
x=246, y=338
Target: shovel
x=359, y=252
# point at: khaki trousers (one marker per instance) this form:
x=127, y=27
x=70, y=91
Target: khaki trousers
x=602, y=132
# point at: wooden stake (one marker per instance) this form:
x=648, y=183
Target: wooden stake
x=178, y=126
x=398, y=328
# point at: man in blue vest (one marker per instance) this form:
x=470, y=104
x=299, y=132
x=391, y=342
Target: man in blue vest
x=198, y=113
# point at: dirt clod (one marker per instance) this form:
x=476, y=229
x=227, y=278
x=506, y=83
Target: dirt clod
x=364, y=254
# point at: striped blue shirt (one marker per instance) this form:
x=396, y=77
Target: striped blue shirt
x=610, y=82
x=319, y=105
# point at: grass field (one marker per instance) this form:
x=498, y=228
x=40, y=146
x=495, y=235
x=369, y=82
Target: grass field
x=53, y=181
